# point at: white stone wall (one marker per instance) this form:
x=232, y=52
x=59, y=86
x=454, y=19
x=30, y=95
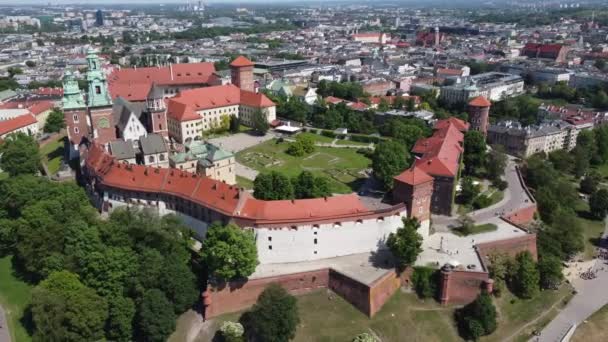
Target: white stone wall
x=324, y=241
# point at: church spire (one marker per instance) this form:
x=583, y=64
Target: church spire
x=98, y=95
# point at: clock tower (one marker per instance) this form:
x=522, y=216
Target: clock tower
x=99, y=101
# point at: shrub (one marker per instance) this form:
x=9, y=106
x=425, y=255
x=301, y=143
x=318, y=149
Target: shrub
x=424, y=281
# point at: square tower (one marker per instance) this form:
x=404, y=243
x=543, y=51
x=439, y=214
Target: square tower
x=241, y=70
x=414, y=187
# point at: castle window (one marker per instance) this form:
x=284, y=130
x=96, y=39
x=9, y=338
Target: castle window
x=76, y=130
x=270, y=238
x=162, y=157
x=270, y=247
x=97, y=90
x=315, y=241
x=75, y=118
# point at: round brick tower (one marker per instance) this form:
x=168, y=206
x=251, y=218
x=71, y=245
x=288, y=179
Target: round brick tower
x=479, y=113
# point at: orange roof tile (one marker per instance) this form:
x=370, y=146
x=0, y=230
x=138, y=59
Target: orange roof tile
x=185, y=105
x=241, y=61
x=414, y=176
x=10, y=125
x=480, y=101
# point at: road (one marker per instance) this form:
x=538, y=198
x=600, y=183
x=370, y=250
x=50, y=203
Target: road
x=591, y=296
x=5, y=335
x=515, y=197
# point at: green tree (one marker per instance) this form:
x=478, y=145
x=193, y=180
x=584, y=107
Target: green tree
x=232, y=331
x=600, y=64
x=383, y=106
x=526, y=279
x=598, y=204
x=108, y=270
x=229, y=252
x=561, y=160
x=272, y=186
x=156, y=319
x=389, y=159
x=478, y=318
x=474, y=152
x=235, y=124
x=306, y=185
x=425, y=280
x=495, y=164
x=30, y=64
x=12, y=71
x=501, y=271
x=274, y=317
x=121, y=313
x=406, y=243
x=19, y=155
x=590, y=182
x=303, y=145
x=468, y=191
x=260, y=122
x=64, y=309
x=550, y=271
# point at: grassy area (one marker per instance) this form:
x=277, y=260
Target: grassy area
x=555, y=102
x=592, y=229
x=594, y=328
x=478, y=229
x=341, y=166
x=15, y=297
x=244, y=182
x=515, y=313
x=317, y=138
x=403, y=315
x=350, y=142
x=53, y=153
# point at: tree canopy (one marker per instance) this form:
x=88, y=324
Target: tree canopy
x=19, y=154
x=389, y=159
x=477, y=318
x=274, y=317
x=406, y=243
x=229, y=252
x=474, y=152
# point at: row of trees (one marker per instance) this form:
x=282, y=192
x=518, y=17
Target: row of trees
x=121, y=279
x=352, y=91
x=277, y=186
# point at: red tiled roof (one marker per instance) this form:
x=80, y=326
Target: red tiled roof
x=480, y=101
x=184, y=106
x=414, y=176
x=10, y=125
x=440, y=154
x=49, y=91
x=333, y=100
x=34, y=107
x=241, y=61
x=358, y=105
x=134, y=84
x=451, y=72
x=217, y=195
x=542, y=48
x=305, y=208
x=461, y=125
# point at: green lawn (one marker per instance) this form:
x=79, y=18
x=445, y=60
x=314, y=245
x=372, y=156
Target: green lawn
x=350, y=142
x=15, y=297
x=244, y=182
x=327, y=320
x=594, y=328
x=478, y=229
x=340, y=165
x=53, y=153
x=317, y=138
x=406, y=318
x=515, y=313
x=592, y=229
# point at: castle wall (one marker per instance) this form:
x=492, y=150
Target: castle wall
x=313, y=242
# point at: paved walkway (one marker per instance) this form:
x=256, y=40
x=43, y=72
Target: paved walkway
x=514, y=198
x=592, y=295
x=245, y=171
x=5, y=335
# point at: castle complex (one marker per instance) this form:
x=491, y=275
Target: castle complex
x=196, y=184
